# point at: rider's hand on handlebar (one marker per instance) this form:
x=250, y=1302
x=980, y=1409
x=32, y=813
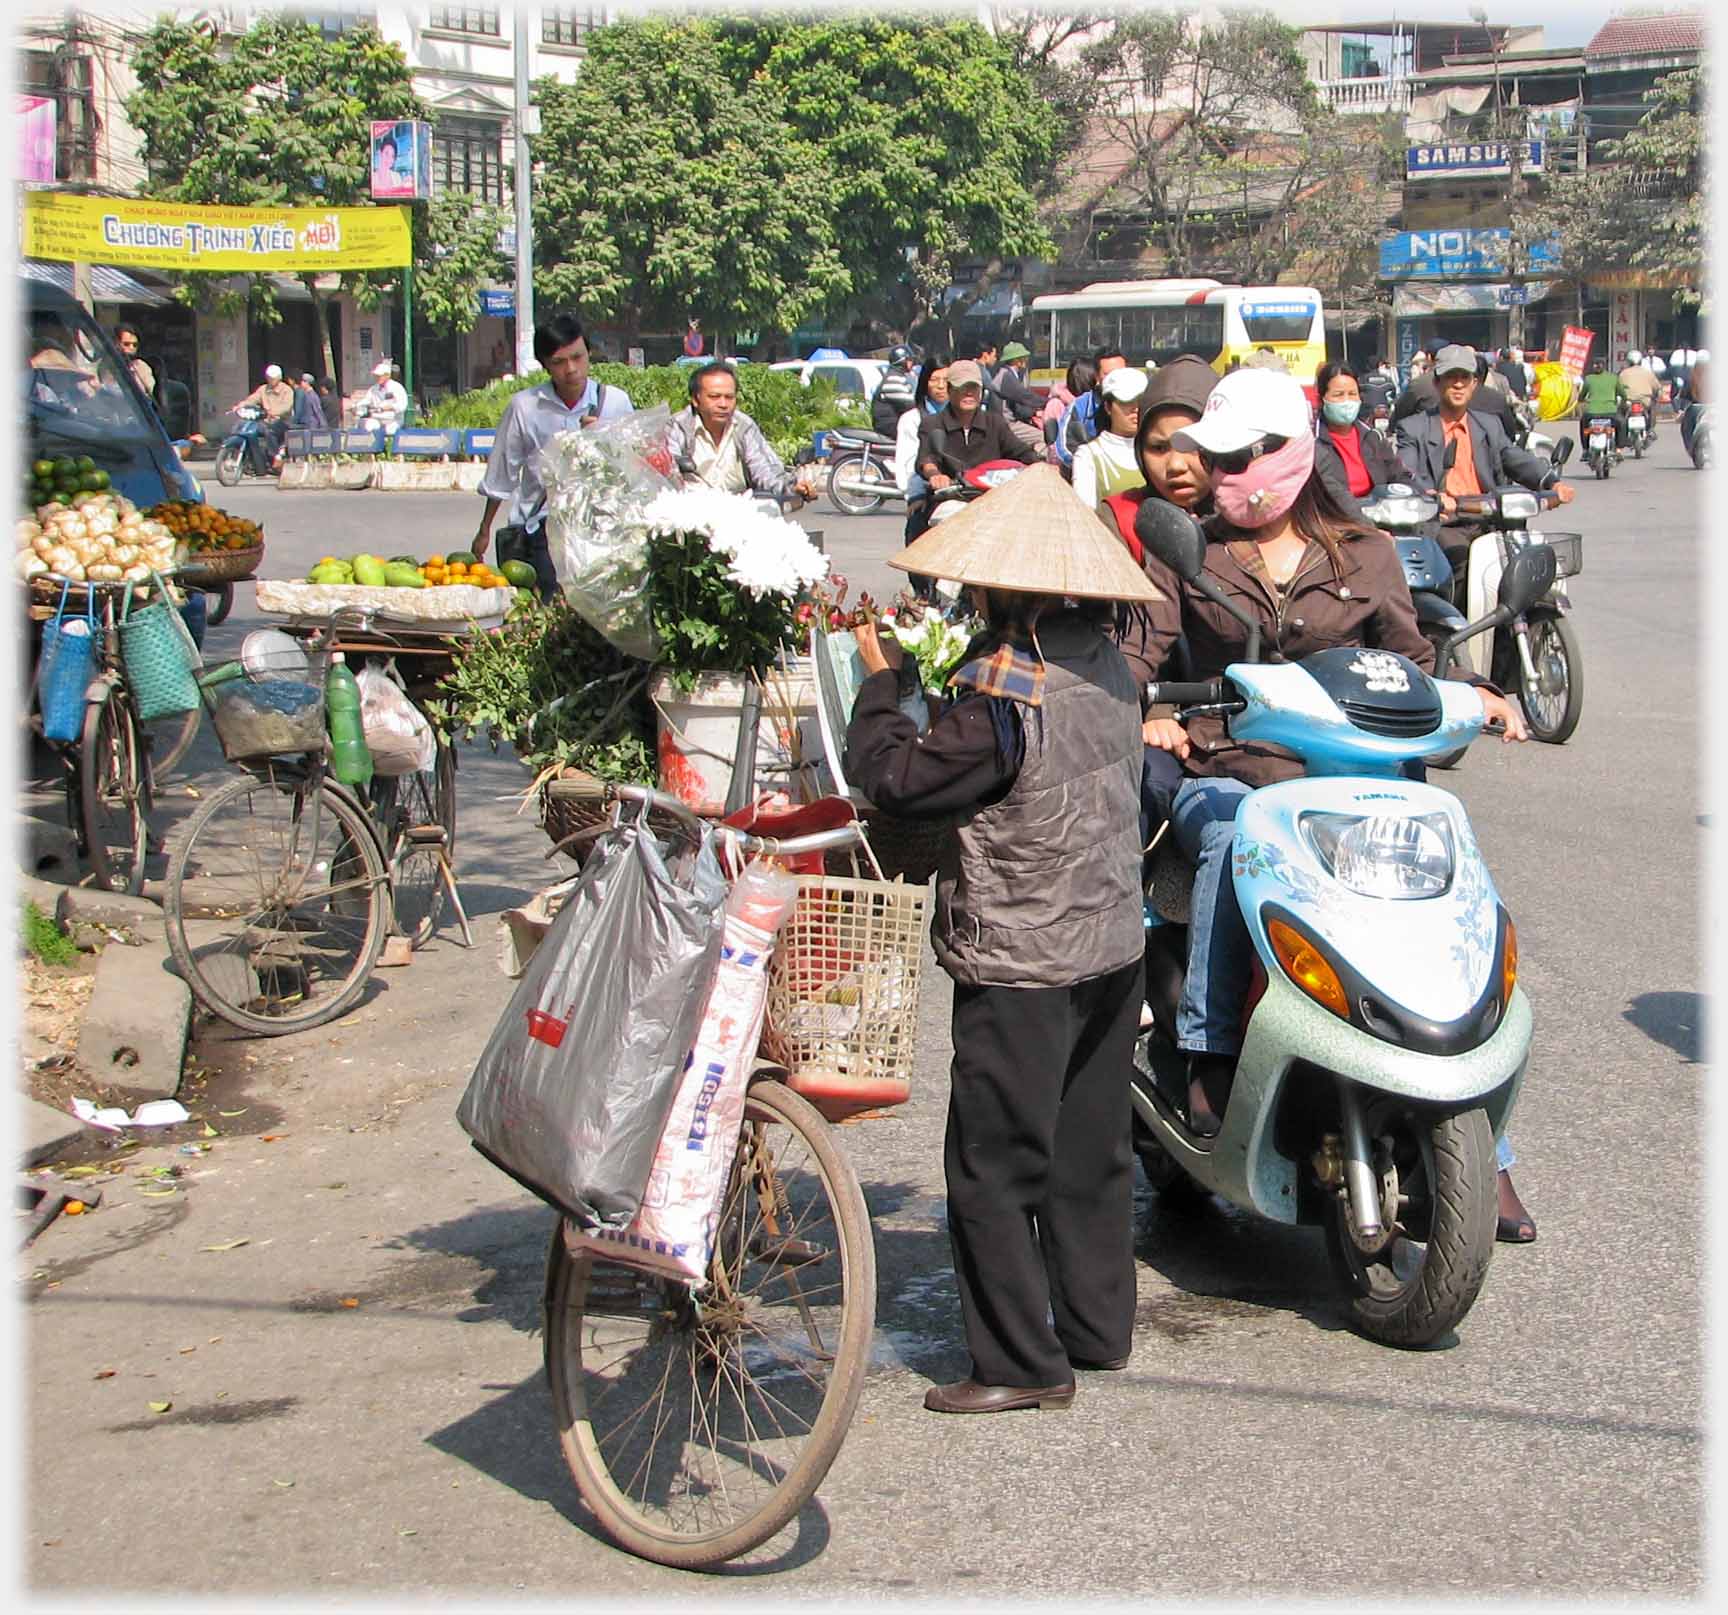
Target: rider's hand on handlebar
x=1166, y=734
x=1448, y=505
x=1497, y=709
x=940, y=479
x=1563, y=493
x=877, y=654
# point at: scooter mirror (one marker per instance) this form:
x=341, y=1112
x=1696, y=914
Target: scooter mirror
x=1529, y=575
x=1561, y=452
x=1173, y=536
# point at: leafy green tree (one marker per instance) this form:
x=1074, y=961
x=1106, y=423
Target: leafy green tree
x=1641, y=205
x=281, y=116
x=668, y=189
x=931, y=139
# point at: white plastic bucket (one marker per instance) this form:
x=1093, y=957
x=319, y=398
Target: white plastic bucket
x=698, y=735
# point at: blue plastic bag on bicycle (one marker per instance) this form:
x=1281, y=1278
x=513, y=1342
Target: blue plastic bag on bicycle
x=63, y=672
x=572, y=1090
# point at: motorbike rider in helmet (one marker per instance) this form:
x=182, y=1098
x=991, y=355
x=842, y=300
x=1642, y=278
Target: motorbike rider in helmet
x=894, y=392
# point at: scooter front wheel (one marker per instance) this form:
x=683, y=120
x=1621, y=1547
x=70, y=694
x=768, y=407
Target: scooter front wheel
x=1554, y=702
x=230, y=464
x=1414, y=1283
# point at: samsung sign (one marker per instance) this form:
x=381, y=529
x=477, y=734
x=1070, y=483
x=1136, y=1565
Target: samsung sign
x=1471, y=158
x=1458, y=255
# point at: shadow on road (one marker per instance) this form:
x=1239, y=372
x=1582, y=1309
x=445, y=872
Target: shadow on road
x=1675, y=1020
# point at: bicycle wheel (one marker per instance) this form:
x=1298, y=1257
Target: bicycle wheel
x=223, y=603
x=169, y=739
x=276, y=906
x=697, y=1425
x=406, y=807
x=114, y=793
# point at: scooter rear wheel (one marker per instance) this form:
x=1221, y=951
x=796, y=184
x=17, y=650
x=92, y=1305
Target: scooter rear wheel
x=849, y=485
x=1438, y=1202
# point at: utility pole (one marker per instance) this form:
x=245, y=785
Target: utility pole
x=527, y=123
x=1514, y=195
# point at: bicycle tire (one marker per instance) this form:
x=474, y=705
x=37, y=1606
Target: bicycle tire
x=252, y=853
x=223, y=598
x=711, y=1336
x=170, y=739
x=114, y=796
x=417, y=891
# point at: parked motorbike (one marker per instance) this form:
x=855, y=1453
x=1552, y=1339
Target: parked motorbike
x=1386, y=1037
x=244, y=448
x=1598, y=439
x=861, y=471
x=1638, y=427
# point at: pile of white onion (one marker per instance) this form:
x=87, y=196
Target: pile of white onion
x=106, y=539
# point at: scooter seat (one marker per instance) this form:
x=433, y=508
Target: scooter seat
x=857, y=437
x=1170, y=885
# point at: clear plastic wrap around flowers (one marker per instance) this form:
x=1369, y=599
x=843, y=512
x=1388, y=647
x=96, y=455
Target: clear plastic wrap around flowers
x=599, y=481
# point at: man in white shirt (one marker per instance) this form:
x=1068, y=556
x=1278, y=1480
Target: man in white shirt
x=715, y=444
x=532, y=418
x=385, y=401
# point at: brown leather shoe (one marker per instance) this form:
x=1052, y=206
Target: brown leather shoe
x=1103, y=1365
x=968, y=1396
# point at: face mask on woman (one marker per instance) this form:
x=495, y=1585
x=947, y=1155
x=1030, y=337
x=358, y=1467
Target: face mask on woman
x=1266, y=489
x=1342, y=411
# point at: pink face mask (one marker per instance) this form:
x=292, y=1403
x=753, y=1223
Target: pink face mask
x=1258, y=496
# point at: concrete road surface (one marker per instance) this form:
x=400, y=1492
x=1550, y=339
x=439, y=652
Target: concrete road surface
x=339, y=1303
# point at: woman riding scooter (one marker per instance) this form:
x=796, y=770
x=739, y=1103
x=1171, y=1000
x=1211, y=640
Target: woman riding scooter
x=1316, y=578
x=1354, y=461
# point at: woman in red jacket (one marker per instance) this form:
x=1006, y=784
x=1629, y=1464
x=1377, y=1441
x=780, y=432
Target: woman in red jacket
x=1354, y=461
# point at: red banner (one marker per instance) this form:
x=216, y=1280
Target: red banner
x=1575, y=349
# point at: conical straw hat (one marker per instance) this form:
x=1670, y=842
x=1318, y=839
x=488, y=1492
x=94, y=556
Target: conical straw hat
x=1032, y=535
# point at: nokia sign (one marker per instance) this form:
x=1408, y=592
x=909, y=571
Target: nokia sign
x=1458, y=255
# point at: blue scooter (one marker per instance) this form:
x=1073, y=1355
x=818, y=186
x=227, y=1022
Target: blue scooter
x=1385, y=1037
x=245, y=451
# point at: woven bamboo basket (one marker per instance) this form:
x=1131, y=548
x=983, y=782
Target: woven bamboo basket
x=221, y=566
x=577, y=801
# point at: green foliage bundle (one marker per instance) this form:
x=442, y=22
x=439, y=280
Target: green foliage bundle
x=552, y=687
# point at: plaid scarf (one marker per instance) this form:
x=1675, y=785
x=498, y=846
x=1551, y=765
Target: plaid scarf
x=1007, y=672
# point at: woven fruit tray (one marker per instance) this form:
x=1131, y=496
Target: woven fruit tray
x=220, y=566
x=452, y=608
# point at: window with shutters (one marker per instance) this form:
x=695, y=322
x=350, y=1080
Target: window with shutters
x=467, y=19
x=468, y=156
x=569, y=25
x=338, y=17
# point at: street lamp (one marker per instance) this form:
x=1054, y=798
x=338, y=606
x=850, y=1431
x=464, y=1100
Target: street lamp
x=1514, y=188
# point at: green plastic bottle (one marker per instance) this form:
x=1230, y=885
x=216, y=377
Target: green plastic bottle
x=350, y=756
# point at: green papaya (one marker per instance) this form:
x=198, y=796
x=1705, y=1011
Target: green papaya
x=369, y=570
x=466, y=557
x=403, y=560
x=520, y=573
x=399, y=575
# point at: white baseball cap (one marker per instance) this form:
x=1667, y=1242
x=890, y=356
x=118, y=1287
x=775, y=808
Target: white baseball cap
x=1124, y=385
x=272, y=372
x=1244, y=407
x=382, y=368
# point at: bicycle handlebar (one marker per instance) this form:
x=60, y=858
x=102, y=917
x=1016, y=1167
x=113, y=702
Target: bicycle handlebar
x=836, y=840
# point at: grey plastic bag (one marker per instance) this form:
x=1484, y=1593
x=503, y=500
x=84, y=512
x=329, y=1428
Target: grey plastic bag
x=573, y=1088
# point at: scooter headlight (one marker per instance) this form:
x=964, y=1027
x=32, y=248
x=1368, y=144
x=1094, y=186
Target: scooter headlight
x=1384, y=854
x=1521, y=505
x=1408, y=511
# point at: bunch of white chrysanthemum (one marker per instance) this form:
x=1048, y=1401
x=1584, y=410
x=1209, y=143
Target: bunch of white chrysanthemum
x=764, y=554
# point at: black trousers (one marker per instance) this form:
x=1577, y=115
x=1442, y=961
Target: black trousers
x=1040, y=1175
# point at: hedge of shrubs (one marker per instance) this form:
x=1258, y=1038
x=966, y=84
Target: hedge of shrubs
x=787, y=411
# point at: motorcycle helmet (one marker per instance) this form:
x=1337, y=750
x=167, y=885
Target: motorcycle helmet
x=1634, y=357
x=899, y=353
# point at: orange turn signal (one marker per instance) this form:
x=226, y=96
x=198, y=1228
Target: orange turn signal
x=1305, y=965
x=1509, y=963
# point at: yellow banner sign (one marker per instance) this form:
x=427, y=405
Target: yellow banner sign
x=127, y=231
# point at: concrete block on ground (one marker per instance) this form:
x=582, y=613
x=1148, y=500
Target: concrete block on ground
x=45, y=894
x=48, y=849
x=293, y=475
x=47, y=1132
x=90, y=906
x=468, y=475
x=318, y=474
x=358, y=474
x=134, y=1031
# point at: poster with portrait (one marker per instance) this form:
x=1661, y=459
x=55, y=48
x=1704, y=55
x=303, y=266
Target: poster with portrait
x=401, y=160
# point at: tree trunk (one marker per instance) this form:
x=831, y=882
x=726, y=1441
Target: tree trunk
x=321, y=311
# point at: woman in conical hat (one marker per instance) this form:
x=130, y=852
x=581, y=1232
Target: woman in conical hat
x=1038, y=919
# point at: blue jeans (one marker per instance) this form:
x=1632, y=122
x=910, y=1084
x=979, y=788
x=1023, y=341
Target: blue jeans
x=1209, y=1013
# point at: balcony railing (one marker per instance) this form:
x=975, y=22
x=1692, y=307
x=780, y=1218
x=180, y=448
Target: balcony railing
x=1364, y=95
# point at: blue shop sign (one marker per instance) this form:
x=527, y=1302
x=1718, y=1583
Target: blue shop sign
x=1457, y=254
x=1471, y=157
x=499, y=303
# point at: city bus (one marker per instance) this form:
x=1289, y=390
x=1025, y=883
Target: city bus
x=1151, y=321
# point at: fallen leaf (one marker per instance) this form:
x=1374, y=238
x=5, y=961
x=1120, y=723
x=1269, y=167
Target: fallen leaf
x=212, y=1340
x=81, y=1171
x=210, y=1132
x=335, y=1185
x=240, y=1112
x=233, y=1244
x=105, y=1373
x=407, y=1533
x=160, y=1407
x=185, y=1349
x=270, y=1138
x=192, y=790
x=157, y=1194
x=351, y=1301
x=284, y=1484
